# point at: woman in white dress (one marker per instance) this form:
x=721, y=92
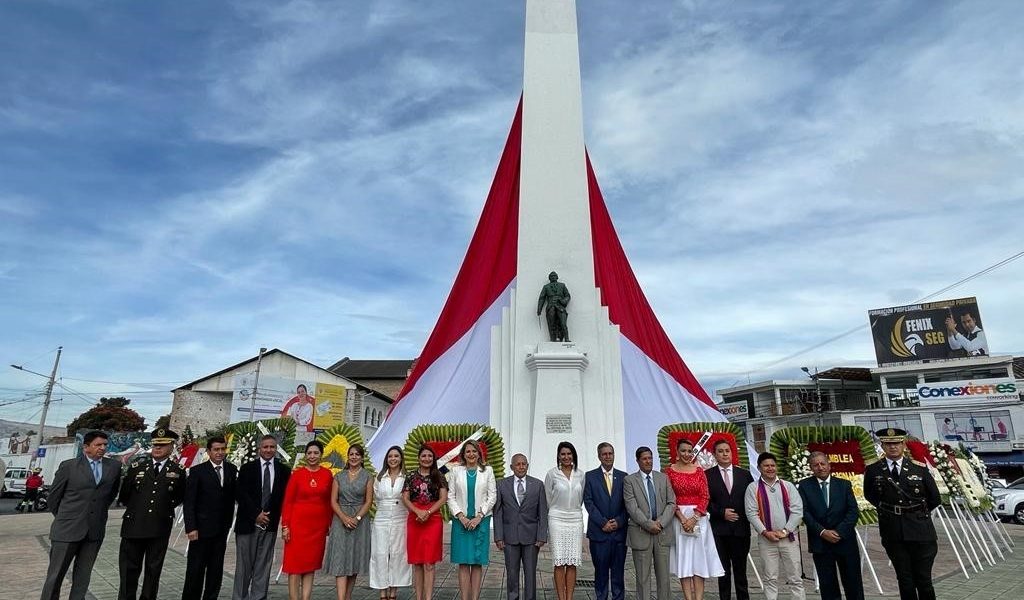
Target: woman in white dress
x=389, y=567
x=563, y=486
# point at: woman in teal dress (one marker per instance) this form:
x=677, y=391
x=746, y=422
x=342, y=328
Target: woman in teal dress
x=471, y=495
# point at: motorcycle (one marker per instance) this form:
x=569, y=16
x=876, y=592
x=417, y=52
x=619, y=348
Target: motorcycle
x=39, y=504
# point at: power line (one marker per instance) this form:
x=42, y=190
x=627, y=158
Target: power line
x=849, y=332
x=127, y=382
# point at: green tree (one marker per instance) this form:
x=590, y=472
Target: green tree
x=164, y=421
x=110, y=414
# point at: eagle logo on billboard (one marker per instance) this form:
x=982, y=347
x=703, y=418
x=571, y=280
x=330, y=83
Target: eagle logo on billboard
x=904, y=347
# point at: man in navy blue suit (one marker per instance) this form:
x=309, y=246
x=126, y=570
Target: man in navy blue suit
x=830, y=513
x=606, y=529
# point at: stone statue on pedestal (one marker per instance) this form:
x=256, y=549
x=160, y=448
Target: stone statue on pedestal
x=556, y=296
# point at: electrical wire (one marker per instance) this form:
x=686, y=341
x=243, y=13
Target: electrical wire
x=127, y=382
x=854, y=330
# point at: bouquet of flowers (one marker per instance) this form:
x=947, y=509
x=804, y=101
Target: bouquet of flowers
x=799, y=464
x=947, y=471
x=243, y=449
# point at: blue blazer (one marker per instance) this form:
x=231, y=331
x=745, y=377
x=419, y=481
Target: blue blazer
x=602, y=507
x=841, y=515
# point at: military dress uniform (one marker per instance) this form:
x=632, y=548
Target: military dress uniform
x=150, y=497
x=905, y=500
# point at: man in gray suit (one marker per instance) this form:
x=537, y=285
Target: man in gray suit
x=521, y=526
x=651, y=506
x=82, y=492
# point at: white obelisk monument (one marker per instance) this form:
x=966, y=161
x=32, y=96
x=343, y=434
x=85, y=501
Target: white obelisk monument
x=543, y=392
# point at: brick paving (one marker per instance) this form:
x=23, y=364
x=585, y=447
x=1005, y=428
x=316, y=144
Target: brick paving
x=24, y=544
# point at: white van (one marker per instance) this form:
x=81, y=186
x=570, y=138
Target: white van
x=14, y=481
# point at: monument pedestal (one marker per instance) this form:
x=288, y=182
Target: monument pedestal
x=556, y=378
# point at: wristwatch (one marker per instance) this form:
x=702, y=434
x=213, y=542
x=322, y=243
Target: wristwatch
x=359, y=517
x=785, y=531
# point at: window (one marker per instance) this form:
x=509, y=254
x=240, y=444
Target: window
x=911, y=424
x=987, y=426
x=366, y=416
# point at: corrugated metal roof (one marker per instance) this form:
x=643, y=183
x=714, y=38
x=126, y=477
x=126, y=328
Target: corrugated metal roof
x=371, y=369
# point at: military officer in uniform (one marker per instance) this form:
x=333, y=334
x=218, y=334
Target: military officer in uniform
x=905, y=494
x=151, y=490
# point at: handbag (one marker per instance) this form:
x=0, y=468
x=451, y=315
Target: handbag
x=694, y=533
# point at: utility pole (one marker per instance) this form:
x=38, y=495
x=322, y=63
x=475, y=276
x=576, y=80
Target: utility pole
x=255, y=386
x=819, y=406
x=46, y=406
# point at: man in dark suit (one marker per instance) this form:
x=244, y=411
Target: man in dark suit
x=651, y=506
x=521, y=527
x=209, y=506
x=82, y=492
x=150, y=491
x=727, y=485
x=606, y=528
x=905, y=494
x=260, y=492
x=830, y=513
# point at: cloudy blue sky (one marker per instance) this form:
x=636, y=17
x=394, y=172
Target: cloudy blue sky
x=184, y=182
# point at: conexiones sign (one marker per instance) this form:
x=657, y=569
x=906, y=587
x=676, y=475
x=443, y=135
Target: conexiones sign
x=734, y=411
x=958, y=392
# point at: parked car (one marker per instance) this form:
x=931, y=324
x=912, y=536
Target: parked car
x=1010, y=502
x=14, y=481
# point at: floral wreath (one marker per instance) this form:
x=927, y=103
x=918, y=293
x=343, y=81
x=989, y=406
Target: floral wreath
x=243, y=438
x=790, y=445
x=958, y=486
x=443, y=438
x=337, y=440
x=718, y=429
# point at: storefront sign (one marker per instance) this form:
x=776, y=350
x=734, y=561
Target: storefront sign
x=734, y=411
x=967, y=392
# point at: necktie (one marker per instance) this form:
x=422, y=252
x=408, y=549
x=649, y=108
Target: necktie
x=608, y=481
x=265, y=496
x=520, y=492
x=156, y=469
x=650, y=498
x=895, y=471
x=95, y=470
x=824, y=492
x=220, y=475
x=727, y=477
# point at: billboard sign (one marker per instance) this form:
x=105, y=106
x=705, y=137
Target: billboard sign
x=314, y=406
x=959, y=393
x=929, y=331
x=734, y=411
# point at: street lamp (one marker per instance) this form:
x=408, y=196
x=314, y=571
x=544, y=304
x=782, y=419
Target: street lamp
x=818, y=404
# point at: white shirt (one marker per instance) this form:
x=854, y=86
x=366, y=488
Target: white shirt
x=891, y=462
x=564, y=494
x=828, y=488
x=160, y=465
x=976, y=347
x=263, y=465
x=515, y=489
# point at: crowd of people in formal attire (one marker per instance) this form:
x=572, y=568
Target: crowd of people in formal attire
x=684, y=522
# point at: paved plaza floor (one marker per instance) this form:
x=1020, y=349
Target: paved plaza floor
x=24, y=546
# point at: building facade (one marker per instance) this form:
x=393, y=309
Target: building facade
x=975, y=401
x=205, y=404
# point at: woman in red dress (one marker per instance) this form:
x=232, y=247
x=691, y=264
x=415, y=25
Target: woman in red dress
x=305, y=519
x=426, y=491
x=694, y=556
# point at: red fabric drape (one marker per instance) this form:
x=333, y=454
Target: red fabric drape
x=627, y=306
x=490, y=263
